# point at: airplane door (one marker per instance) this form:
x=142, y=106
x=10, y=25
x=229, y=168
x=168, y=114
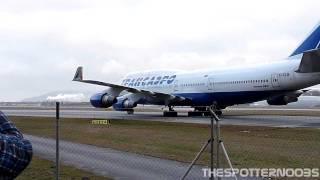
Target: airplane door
x=210, y=84
x=275, y=80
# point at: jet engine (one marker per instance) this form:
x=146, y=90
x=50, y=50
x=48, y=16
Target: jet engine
x=124, y=105
x=282, y=100
x=285, y=99
x=127, y=104
x=102, y=100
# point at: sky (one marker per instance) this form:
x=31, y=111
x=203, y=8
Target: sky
x=43, y=41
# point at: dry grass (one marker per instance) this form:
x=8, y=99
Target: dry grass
x=44, y=169
x=267, y=111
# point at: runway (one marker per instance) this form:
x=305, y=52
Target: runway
x=247, y=120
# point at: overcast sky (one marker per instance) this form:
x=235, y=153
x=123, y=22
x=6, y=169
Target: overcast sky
x=43, y=41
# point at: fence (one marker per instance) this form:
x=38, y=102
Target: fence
x=94, y=148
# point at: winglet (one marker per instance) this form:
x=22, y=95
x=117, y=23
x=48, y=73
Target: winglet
x=78, y=76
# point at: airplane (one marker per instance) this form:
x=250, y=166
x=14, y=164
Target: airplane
x=279, y=83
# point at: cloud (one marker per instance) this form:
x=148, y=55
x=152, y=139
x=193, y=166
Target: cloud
x=42, y=42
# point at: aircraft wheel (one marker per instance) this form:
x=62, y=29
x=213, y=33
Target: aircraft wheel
x=199, y=113
x=130, y=111
x=170, y=113
x=200, y=108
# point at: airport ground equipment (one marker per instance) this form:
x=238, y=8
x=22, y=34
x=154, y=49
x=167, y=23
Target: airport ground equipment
x=215, y=124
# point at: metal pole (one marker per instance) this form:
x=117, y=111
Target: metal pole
x=211, y=149
x=215, y=118
x=227, y=157
x=221, y=144
x=218, y=140
x=57, y=139
x=195, y=159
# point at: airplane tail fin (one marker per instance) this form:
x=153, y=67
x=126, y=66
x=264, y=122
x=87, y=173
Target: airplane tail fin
x=312, y=42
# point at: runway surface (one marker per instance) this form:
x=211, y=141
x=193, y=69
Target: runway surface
x=250, y=120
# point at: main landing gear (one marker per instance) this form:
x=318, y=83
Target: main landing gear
x=203, y=111
x=130, y=111
x=170, y=113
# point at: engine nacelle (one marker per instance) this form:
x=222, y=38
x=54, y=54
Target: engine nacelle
x=127, y=104
x=282, y=100
x=102, y=100
x=124, y=105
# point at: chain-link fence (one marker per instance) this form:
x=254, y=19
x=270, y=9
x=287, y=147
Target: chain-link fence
x=95, y=148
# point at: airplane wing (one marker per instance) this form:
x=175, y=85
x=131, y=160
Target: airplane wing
x=119, y=88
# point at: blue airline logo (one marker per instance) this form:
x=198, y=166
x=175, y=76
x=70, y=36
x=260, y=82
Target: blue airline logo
x=310, y=43
x=149, y=81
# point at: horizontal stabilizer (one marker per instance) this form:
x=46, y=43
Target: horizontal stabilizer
x=310, y=62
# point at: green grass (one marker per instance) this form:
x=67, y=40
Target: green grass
x=247, y=146
x=44, y=169
x=267, y=111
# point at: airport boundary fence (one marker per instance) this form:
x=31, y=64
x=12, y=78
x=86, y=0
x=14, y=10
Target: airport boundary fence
x=86, y=139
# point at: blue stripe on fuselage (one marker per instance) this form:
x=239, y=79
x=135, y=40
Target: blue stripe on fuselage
x=229, y=98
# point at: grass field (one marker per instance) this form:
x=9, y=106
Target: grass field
x=247, y=146
x=44, y=169
x=274, y=111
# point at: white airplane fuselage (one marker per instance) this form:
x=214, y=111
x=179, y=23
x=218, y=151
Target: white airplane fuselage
x=227, y=86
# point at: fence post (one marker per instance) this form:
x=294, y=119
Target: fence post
x=57, y=139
